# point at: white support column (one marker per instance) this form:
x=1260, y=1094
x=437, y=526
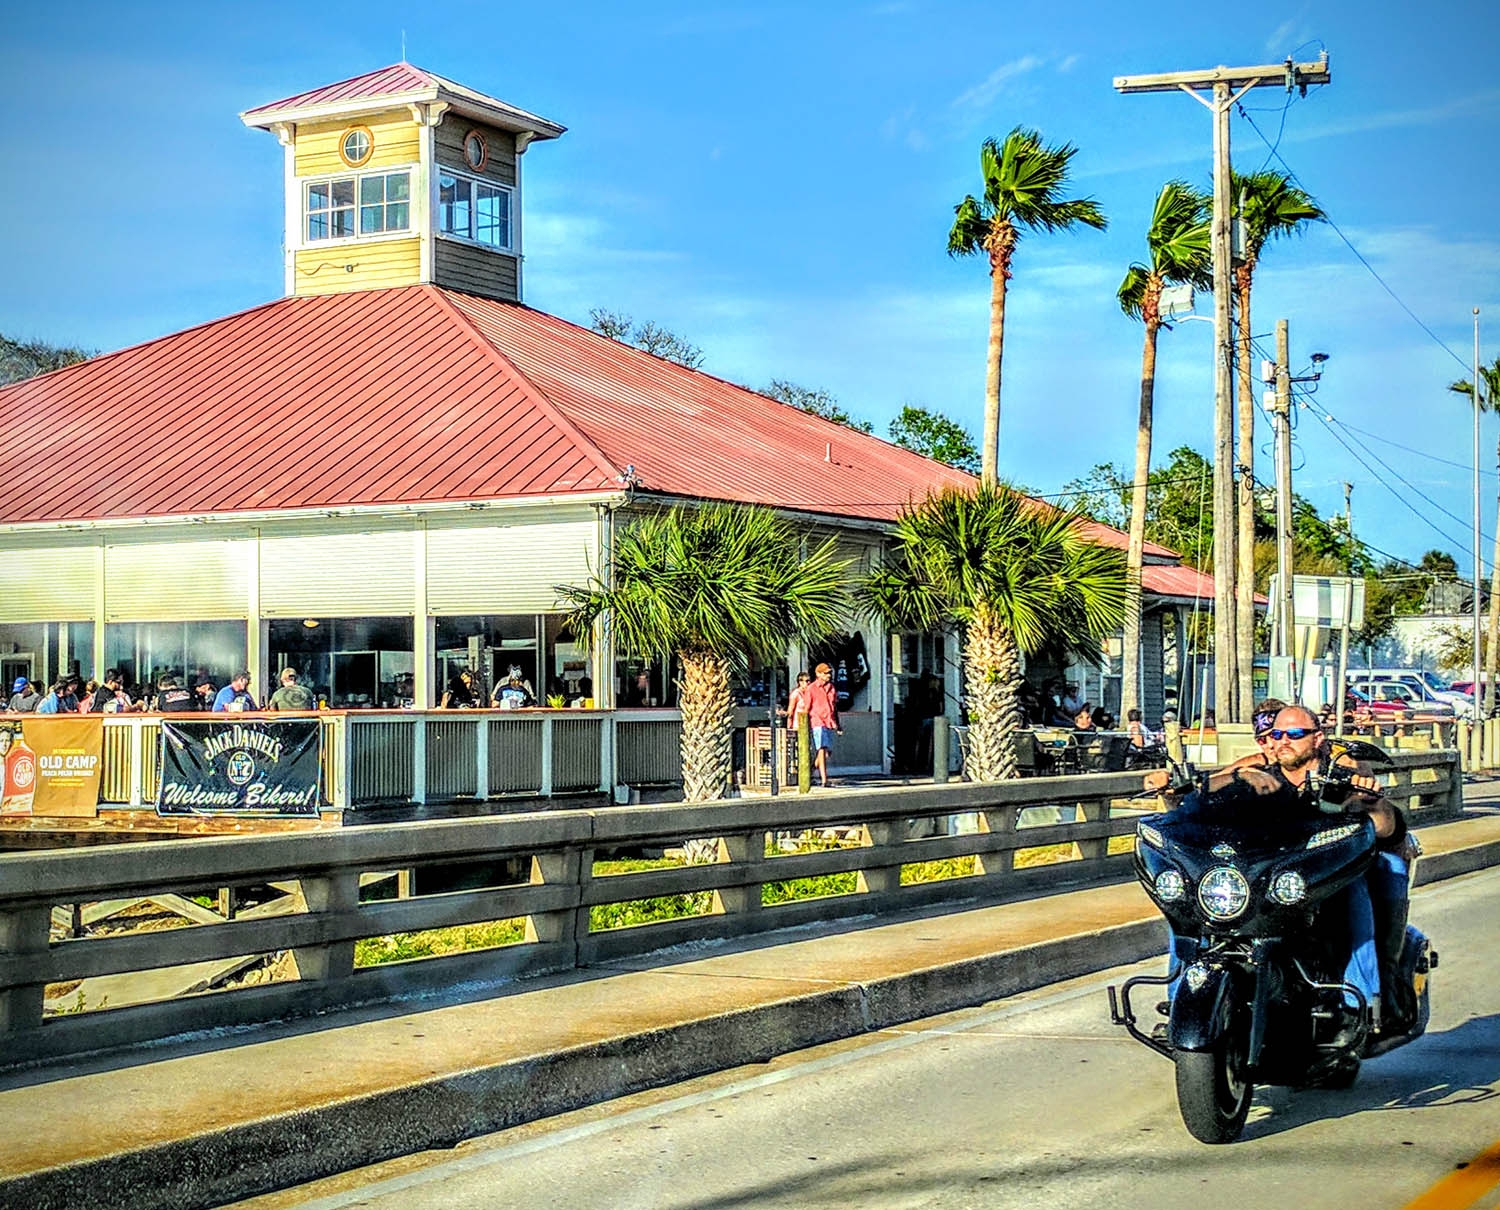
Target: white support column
x=257, y=654
x=419, y=760
x=99, y=607
x=546, y=787
x=482, y=757
x=424, y=634
x=291, y=239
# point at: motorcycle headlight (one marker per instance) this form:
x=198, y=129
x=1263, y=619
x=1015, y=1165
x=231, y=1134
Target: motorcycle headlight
x=1288, y=887
x=1150, y=835
x=1332, y=835
x=1170, y=886
x=1223, y=893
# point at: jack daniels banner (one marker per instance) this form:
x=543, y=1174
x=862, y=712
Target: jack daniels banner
x=269, y=767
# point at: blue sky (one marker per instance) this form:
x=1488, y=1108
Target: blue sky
x=775, y=182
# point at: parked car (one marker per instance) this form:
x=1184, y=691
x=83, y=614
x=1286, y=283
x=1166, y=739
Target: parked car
x=1393, y=701
x=1426, y=686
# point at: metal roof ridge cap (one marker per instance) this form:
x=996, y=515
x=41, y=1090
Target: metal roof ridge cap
x=411, y=508
x=262, y=119
x=646, y=495
x=558, y=416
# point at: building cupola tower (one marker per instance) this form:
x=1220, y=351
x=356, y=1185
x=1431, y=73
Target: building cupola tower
x=399, y=177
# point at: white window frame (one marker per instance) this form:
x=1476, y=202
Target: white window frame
x=443, y=170
x=358, y=175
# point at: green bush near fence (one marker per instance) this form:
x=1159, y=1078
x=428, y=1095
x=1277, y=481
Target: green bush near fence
x=606, y=917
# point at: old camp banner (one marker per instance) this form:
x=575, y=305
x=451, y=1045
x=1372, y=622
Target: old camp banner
x=51, y=764
x=266, y=766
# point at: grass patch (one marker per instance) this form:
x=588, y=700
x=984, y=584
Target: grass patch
x=1120, y=844
x=1046, y=854
x=434, y=943
x=939, y=871
x=633, y=912
x=820, y=886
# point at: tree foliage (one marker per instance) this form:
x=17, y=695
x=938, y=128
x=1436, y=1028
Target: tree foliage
x=816, y=401
x=936, y=436
x=650, y=336
x=21, y=359
x=1015, y=576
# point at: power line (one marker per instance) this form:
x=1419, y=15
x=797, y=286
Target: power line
x=1438, y=340
x=1409, y=449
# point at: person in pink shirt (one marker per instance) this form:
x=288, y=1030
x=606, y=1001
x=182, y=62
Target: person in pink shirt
x=822, y=701
x=796, y=702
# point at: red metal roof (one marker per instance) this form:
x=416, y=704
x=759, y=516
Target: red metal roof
x=419, y=394
x=375, y=397
x=386, y=81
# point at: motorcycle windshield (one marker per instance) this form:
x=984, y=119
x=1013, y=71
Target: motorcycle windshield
x=1252, y=823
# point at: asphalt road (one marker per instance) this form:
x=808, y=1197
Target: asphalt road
x=1033, y=1101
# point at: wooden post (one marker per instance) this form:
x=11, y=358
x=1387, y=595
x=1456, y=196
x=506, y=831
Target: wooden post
x=333, y=894
x=941, y=751
x=886, y=878
x=563, y=926
x=1002, y=820
x=804, y=755
x=745, y=849
x=23, y=933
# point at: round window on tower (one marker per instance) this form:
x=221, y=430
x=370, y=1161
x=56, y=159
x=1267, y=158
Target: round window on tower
x=356, y=146
x=476, y=150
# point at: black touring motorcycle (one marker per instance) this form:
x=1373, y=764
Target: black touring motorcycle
x=1264, y=1001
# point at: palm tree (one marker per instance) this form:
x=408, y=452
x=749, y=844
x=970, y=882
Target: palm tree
x=1023, y=185
x=716, y=585
x=1489, y=401
x=1270, y=207
x=1181, y=254
x=1015, y=576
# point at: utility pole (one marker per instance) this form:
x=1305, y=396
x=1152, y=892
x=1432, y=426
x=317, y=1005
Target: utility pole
x=1478, y=554
x=1282, y=421
x=1340, y=688
x=1226, y=86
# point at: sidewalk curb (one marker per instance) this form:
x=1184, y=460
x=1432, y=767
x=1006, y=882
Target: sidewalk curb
x=291, y=1149
x=285, y=1150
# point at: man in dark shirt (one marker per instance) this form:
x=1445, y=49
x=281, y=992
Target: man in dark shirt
x=106, y=692
x=172, y=698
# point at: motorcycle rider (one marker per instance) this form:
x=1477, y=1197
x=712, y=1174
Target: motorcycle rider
x=1292, y=750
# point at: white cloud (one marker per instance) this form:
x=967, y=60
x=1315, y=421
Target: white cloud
x=1276, y=44
x=981, y=94
x=1068, y=63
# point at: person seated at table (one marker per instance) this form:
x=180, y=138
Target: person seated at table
x=514, y=692
x=1136, y=729
x=1102, y=719
x=1084, y=719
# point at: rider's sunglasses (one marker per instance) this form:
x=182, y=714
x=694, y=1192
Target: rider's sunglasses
x=1291, y=732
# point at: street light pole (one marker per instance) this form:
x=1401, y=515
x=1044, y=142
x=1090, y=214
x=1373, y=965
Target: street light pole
x=1227, y=85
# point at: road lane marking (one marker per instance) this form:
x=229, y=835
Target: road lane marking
x=1464, y=1186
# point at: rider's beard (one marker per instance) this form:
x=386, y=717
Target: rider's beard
x=1291, y=759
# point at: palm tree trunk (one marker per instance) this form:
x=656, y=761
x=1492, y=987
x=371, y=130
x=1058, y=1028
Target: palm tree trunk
x=999, y=277
x=707, y=726
x=992, y=675
x=1130, y=657
x=1492, y=628
x=1244, y=585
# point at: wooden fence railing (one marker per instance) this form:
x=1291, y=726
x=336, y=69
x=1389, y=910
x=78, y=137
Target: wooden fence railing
x=537, y=870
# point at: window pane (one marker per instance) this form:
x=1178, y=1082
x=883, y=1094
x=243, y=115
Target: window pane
x=398, y=187
x=343, y=223
x=371, y=189
x=317, y=226
x=493, y=213
x=317, y=196
x=343, y=192
x=453, y=205
x=371, y=219
x=396, y=216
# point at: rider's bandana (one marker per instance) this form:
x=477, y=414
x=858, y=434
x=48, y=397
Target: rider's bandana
x=1292, y=732
x=1262, y=723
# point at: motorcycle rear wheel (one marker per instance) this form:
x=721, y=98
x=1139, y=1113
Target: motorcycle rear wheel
x=1212, y=1094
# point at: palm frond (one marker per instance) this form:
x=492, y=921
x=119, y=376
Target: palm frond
x=966, y=236
x=1024, y=180
x=1132, y=292
x=1272, y=207
x=1179, y=238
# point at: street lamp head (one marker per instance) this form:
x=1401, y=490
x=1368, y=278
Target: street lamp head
x=1319, y=358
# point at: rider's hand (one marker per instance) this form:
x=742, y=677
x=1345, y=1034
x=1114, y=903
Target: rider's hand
x=1368, y=784
x=1157, y=779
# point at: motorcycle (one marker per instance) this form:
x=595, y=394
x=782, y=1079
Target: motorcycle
x=1245, y=879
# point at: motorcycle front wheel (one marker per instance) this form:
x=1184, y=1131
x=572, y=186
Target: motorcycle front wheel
x=1212, y=1092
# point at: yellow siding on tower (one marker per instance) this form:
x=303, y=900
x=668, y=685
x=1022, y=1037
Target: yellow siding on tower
x=396, y=137
x=321, y=268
